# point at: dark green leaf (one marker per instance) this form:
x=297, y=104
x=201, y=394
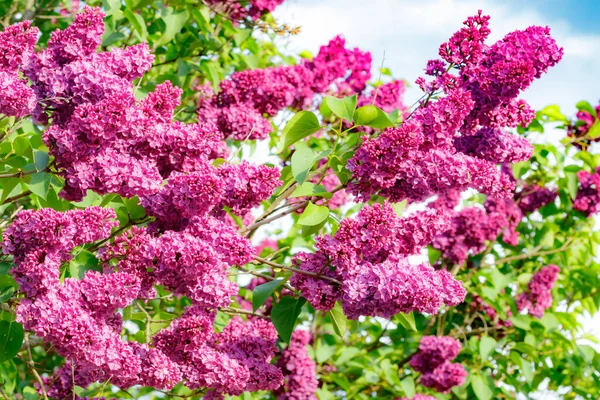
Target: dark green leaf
x=40, y=184
x=11, y=339
x=41, y=159
x=284, y=316
x=261, y=293
x=7, y=287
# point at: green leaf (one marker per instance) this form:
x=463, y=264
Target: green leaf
x=313, y=215
x=41, y=159
x=22, y=146
x=572, y=183
x=138, y=23
x=83, y=262
x=7, y=287
x=284, y=315
x=433, y=255
x=527, y=370
x=112, y=7
x=11, y=339
x=261, y=293
x=310, y=189
x=343, y=108
x=338, y=318
x=486, y=346
x=408, y=386
x=303, y=159
x=174, y=22
x=301, y=125
x=40, y=184
x=399, y=207
x=407, y=321
x=587, y=352
x=480, y=387
x=521, y=322
x=553, y=113
x=373, y=117
x=594, y=131
x=549, y=321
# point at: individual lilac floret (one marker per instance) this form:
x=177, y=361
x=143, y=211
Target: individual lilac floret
x=538, y=296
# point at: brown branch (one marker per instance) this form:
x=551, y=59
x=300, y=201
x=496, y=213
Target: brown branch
x=297, y=270
x=33, y=370
x=239, y=311
x=265, y=276
x=16, y=197
x=535, y=253
x=256, y=225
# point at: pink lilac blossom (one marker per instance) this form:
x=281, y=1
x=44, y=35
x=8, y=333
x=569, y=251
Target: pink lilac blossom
x=248, y=97
x=580, y=128
x=299, y=370
x=433, y=360
x=16, y=41
x=418, y=397
x=77, y=317
x=495, y=145
x=491, y=312
x=239, y=11
x=538, y=296
x=533, y=197
x=368, y=255
x=387, y=97
x=588, y=195
x=471, y=228
x=230, y=362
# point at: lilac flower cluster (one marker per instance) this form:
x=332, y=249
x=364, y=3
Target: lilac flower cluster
x=455, y=142
x=588, y=194
x=299, y=370
x=433, y=360
x=244, y=102
x=579, y=129
x=388, y=97
x=238, y=12
x=231, y=362
x=471, y=228
x=418, y=397
x=102, y=138
x=533, y=197
x=368, y=255
x=538, y=296
x=17, y=99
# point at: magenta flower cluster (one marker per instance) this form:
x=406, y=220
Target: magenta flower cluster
x=532, y=197
x=455, y=141
x=538, y=296
x=17, y=99
x=240, y=11
x=368, y=255
x=434, y=361
x=588, y=194
x=579, y=129
x=299, y=370
x=472, y=227
x=245, y=101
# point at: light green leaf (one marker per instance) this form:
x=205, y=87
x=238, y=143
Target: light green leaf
x=572, y=183
x=343, y=108
x=587, y=107
x=338, y=318
x=407, y=321
x=303, y=124
x=587, y=352
x=313, y=215
x=486, y=346
x=480, y=387
x=303, y=159
x=310, y=189
x=553, y=113
x=408, y=386
x=284, y=315
x=261, y=293
x=11, y=339
x=521, y=322
x=138, y=23
x=527, y=370
x=594, y=131
x=373, y=117
x=174, y=22
x=7, y=287
x=399, y=207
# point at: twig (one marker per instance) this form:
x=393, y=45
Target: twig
x=274, y=217
x=300, y=271
x=148, y=320
x=231, y=310
x=265, y=276
x=16, y=197
x=535, y=253
x=33, y=370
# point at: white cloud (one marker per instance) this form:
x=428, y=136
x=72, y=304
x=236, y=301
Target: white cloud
x=410, y=33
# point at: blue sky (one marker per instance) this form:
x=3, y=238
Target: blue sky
x=410, y=32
